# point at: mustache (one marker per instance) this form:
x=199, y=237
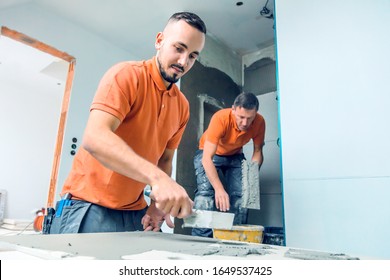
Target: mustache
x=178, y=66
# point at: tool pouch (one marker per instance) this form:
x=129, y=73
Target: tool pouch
x=55, y=213
x=51, y=212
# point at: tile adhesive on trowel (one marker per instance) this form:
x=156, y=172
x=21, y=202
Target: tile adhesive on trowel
x=209, y=219
x=205, y=219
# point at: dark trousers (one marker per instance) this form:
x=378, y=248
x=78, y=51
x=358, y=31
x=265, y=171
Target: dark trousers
x=230, y=168
x=85, y=217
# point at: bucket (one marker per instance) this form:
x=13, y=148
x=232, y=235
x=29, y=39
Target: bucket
x=245, y=233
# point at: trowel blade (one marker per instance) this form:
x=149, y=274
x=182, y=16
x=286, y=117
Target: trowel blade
x=209, y=219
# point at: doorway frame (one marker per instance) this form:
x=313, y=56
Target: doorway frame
x=34, y=43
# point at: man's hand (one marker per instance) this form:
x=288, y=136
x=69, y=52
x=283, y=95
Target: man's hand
x=221, y=197
x=222, y=200
x=171, y=198
x=154, y=218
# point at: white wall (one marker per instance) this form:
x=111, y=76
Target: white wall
x=29, y=115
x=333, y=69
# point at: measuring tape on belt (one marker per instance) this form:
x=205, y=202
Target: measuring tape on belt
x=40, y=214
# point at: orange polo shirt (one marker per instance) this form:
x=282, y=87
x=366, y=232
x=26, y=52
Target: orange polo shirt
x=223, y=132
x=152, y=119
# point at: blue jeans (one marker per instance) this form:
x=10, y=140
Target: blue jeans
x=229, y=168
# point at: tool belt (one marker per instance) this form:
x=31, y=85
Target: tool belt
x=55, y=213
x=50, y=213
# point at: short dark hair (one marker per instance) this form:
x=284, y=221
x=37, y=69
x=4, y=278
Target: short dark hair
x=247, y=100
x=191, y=18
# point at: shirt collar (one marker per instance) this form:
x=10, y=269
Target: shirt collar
x=157, y=78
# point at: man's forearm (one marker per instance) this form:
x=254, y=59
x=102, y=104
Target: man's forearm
x=258, y=157
x=212, y=174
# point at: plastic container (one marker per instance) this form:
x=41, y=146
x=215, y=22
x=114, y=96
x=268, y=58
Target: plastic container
x=245, y=233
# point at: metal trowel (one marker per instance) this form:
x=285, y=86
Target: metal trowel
x=205, y=219
x=209, y=219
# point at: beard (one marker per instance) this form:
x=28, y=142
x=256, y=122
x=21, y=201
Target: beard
x=171, y=79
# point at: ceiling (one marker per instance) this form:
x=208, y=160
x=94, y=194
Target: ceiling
x=133, y=24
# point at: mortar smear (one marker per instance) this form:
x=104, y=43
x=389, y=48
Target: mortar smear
x=250, y=185
x=229, y=249
x=315, y=255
